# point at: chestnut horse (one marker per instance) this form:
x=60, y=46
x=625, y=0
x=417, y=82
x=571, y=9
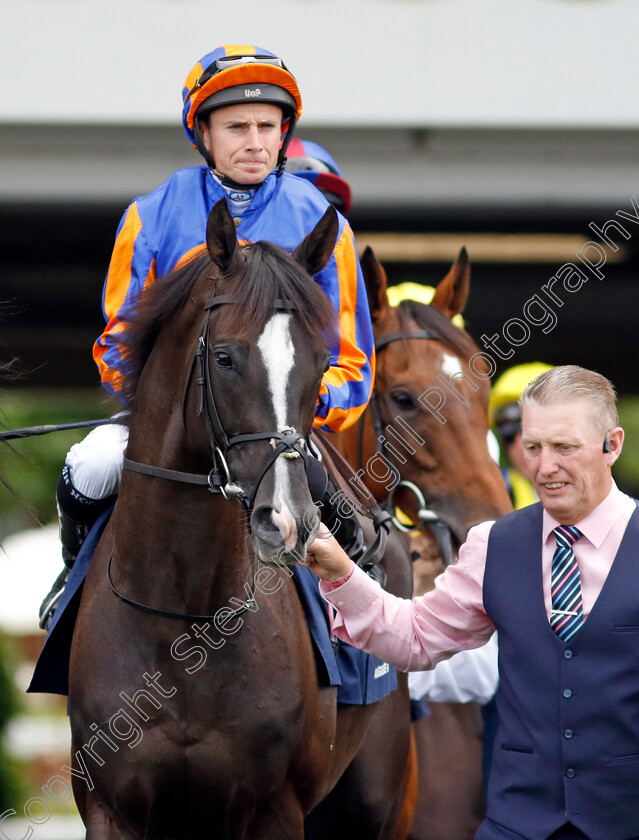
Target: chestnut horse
x=195, y=702
x=423, y=441
x=431, y=404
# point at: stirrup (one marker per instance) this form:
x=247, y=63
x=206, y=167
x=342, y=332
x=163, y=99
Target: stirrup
x=50, y=603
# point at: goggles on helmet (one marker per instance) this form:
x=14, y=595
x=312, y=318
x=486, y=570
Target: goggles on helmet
x=277, y=88
x=226, y=62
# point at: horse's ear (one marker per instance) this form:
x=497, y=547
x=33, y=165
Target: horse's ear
x=452, y=292
x=376, y=284
x=316, y=248
x=221, y=239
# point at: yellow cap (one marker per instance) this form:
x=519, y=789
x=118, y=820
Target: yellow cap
x=416, y=291
x=512, y=383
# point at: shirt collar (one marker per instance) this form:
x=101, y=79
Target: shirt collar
x=261, y=197
x=597, y=525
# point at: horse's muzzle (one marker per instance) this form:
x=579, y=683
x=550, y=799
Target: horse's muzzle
x=281, y=537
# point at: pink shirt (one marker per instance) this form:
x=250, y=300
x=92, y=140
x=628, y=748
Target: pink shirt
x=416, y=635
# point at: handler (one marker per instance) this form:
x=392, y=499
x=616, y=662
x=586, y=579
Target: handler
x=559, y=581
x=240, y=108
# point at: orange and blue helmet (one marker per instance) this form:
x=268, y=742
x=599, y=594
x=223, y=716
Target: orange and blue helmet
x=236, y=74
x=311, y=161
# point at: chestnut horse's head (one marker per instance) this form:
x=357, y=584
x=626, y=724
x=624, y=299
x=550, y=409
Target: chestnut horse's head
x=230, y=353
x=431, y=395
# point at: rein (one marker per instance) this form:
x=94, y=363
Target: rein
x=244, y=607
x=426, y=517
x=342, y=475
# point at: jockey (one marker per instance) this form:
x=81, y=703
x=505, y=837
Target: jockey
x=312, y=162
x=240, y=108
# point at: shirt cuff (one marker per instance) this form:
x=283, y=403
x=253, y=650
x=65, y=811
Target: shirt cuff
x=329, y=586
x=352, y=596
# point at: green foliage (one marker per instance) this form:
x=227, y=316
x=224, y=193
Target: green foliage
x=626, y=470
x=31, y=466
x=11, y=788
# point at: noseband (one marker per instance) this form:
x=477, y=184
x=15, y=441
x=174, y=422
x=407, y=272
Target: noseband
x=286, y=441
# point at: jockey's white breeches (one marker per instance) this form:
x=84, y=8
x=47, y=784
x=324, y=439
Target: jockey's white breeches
x=95, y=464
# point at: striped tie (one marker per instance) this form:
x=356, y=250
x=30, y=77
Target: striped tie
x=567, y=606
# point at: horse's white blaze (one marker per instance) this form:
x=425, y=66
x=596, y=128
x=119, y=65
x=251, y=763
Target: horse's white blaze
x=451, y=365
x=278, y=355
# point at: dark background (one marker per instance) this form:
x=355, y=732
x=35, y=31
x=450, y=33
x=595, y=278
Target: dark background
x=53, y=258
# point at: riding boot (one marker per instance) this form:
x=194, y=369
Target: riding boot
x=76, y=514
x=336, y=510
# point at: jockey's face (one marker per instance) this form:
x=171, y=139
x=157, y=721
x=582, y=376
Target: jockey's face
x=244, y=140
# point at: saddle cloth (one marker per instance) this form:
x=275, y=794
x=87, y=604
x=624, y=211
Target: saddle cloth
x=360, y=677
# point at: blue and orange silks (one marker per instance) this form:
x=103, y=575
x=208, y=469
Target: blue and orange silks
x=166, y=227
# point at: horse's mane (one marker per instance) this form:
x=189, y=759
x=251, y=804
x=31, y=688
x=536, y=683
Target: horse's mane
x=260, y=273
x=441, y=328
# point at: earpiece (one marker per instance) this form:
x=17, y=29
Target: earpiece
x=606, y=445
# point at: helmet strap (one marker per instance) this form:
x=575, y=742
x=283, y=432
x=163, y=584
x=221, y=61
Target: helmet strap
x=199, y=144
x=281, y=160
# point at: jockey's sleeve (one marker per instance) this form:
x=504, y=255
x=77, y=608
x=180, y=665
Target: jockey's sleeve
x=347, y=384
x=131, y=269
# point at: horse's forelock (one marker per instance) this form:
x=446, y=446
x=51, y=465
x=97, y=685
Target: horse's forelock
x=441, y=327
x=267, y=274
x=259, y=273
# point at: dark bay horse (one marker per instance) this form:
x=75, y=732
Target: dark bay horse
x=196, y=707
x=423, y=440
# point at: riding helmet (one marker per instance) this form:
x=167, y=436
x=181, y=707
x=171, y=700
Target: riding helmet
x=236, y=74
x=313, y=163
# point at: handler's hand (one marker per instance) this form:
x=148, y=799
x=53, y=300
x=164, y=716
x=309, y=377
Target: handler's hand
x=326, y=558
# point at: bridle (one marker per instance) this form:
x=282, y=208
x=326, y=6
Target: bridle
x=427, y=517
x=286, y=441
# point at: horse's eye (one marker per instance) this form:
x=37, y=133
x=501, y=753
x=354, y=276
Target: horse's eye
x=223, y=360
x=403, y=400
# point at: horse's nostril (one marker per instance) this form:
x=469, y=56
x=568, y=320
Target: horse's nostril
x=262, y=521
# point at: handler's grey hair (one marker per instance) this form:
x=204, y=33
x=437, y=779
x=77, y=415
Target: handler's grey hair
x=571, y=382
